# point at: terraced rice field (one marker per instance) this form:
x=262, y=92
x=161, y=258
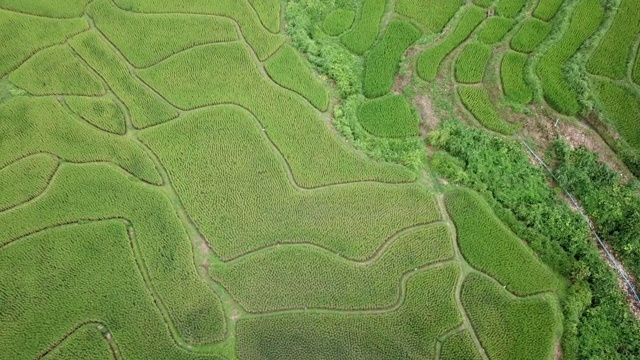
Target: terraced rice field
x=256, y=179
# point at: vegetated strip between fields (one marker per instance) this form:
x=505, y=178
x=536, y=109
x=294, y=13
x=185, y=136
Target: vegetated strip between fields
x=632, y=290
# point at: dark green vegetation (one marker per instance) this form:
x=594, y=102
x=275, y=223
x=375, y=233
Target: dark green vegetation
x=388, y=116
x=597, y=322
x=381, y=64
x=249, y=179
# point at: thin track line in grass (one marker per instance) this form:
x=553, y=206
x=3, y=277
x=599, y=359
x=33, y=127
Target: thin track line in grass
x=464, y=266
x=255, y=13
x=115, y=353
x=404, y=278
x=590, y=224
x=140, y=265
x=375, y=256
x=40, y=193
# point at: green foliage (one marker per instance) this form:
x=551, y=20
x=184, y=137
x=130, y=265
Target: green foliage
x=32, y=125
x=23, y=180
x=64, y=9
x=382, y=62
x=54, y=280
x=268, y=12
x=263, y=42
x=388, y=116
x=145, y=39
x=635, y=72
x=56, y=71
x=233, y=168
x=494, y=30
x=512, y=72
x=530, y=35
x=338, y=21
x=483, y=3
x=488, y=245
x=146, y=109
x=302, y=276
x=366, y=28
x=99, y=191
x=289, y=70
x=401, y=333
x=23, y=35
x=610, y=56
x=87, y=342
x=558, y=91
x=546, y=9
x=509, y=327
x=621, y=107
x=432, y=14
x=429, y=61
x=476, y=100
x=509, y=8
x=613, y=206
x=597, y=321
x=102, y=112
x=471, y=63
x=459, y=347
x=226, y=73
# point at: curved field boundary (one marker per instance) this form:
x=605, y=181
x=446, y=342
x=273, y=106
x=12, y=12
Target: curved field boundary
x=40, y=192
x=102, y=327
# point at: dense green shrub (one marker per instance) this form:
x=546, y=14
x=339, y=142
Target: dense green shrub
x=382, y=62
x=597, y=321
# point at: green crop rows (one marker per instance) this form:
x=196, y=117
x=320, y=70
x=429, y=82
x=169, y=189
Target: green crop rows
x=512, y=73
x=338, y=21
x=103, y=113
x=471, y=63
x=366, y=28
x=495, y=29
x=381, y=64
x=530, y=35
x=388, y=116
x=432, y=14
x=477, y=101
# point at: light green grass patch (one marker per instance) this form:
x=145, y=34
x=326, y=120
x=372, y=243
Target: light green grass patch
x=23, y=180
x=512, y=72
x=23, y=35
x=428, y=310
x=530, y=35
x=301, y=276
x=510, y=327
x=56, y=71
x=382, y=62
x=221, y=159
x=432, y=14
x=32, y=125
x=287, y=68
x=227, y=73
x=558, y=92
x=366, y=28
x=429, y=61
x=145, y=39
x=269, y=13
x=62, y=9
x=488, y=245
x=495, y=29
x=388, y=116
x=338, y=21
x=146, y=108
x=101, y=112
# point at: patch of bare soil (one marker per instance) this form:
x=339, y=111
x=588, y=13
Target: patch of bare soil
x=557, y=351
x=427, y=114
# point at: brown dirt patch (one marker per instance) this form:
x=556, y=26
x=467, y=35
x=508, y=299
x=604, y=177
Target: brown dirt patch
x=427, y=114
